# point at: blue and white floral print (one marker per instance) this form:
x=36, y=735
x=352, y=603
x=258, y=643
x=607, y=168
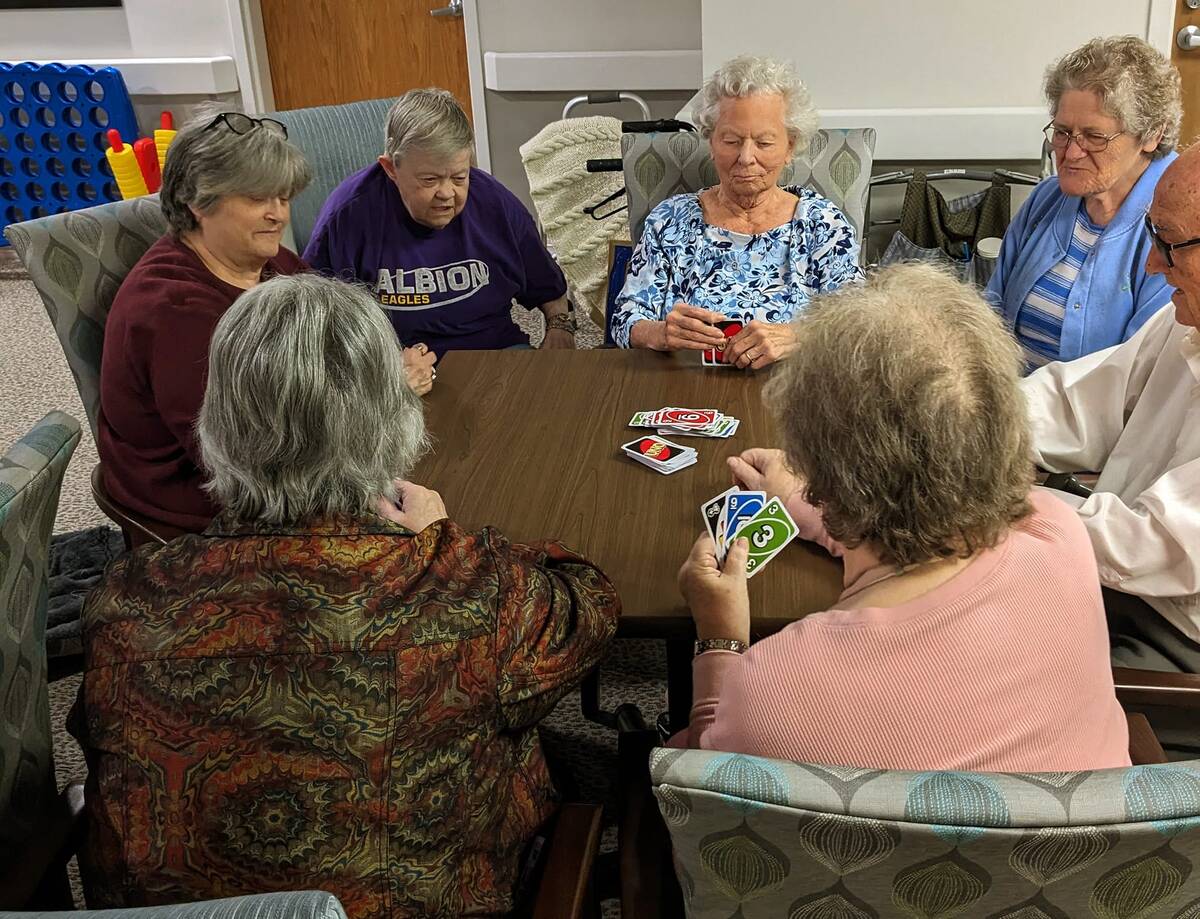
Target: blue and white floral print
x=769, y=276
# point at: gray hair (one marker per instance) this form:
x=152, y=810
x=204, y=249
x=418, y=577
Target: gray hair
x=206, y=164
x=749, y=75
x=1136, y=85
x=306, y=414
x=901, y=408
x=428, y=120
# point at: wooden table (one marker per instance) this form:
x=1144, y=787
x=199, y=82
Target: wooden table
x=529, y=441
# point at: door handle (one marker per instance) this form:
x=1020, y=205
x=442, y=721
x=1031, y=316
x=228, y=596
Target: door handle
x=1188, y=38
x=452, y=8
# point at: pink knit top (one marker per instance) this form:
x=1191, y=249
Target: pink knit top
x=1002, y=668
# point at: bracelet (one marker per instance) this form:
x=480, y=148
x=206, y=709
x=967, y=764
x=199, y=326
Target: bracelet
x=562, y=321
x=720, y=644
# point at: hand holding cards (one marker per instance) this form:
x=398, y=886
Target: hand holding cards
x=715, y=357
x=766, y=524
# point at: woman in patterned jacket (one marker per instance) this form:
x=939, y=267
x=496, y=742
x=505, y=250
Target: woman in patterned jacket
x=334, y=685
x=744, y=250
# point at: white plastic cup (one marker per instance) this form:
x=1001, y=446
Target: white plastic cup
x=988, y=247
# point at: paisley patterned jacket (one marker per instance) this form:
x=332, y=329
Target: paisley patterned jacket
x=347, y=706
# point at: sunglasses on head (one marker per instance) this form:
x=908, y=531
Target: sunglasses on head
x=244, y=124
x=1165, y=248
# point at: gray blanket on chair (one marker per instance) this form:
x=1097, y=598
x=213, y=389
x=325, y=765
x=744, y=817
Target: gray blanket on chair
x=77, y=560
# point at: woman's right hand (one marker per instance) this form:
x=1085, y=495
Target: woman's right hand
x=690, y=328
x=418, y=368
x=415, y=507
x=760, y=469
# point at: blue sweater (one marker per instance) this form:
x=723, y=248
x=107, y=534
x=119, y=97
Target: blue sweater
x=1113, y=294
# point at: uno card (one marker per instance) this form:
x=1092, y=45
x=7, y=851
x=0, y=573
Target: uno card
x=659, y=454
x=711, y=511
x=768, y=531
x=741, y=506
x=687, y=417
x=641, y=420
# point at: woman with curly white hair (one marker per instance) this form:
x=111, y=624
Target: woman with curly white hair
x=1071, y=278
x=746, y=249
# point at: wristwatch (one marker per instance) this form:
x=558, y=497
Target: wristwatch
x=720, y=644
x=564, y=321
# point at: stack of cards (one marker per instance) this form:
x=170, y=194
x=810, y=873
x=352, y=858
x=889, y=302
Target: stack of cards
x=765, y=523
x=687, y=422
x=715, y=357
x=660, y=455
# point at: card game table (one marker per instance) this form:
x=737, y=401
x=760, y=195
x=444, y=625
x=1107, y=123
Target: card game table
x=530, y=442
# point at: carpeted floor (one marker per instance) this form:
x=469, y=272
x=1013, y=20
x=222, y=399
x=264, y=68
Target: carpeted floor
x=35, y=379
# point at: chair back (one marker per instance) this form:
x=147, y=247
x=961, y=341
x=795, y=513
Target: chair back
x=837, y=164
x=31, y=475
x=77, y=261
x=757, y=837
x=337, y=140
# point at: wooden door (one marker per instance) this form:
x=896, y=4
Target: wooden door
x=1188, y=63
x=323, y=52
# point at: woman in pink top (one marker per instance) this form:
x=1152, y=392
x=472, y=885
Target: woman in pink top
x=970, y=634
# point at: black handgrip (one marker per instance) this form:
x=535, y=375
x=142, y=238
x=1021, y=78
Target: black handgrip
x=603, y=98
x=604, y=165
x=651, y=127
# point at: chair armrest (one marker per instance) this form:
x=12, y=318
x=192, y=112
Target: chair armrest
x=58, y=837
x=564, y=888
x=1157, y=687
x=649, y=887
x=1144, y=748
x=138, y=529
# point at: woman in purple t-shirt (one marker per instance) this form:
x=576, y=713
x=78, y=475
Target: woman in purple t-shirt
x=444, y=247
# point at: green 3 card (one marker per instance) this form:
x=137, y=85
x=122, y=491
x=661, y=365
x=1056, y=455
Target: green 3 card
x=769, y=531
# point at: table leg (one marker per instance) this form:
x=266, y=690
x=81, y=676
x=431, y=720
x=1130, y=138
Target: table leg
x=679, y=682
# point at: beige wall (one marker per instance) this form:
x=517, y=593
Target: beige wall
x=574, y=25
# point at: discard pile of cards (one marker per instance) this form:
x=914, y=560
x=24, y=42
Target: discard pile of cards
x=660, y=455
x=749, y=514
x=687, y=422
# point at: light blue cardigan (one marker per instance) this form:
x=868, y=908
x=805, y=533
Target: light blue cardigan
x=1113, y=294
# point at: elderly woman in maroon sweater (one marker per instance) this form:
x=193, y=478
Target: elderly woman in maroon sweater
x=225, y=193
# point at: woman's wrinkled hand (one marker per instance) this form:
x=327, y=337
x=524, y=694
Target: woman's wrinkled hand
x=760, y=344
x=716, y=595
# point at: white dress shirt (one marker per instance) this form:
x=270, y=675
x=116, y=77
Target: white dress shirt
x=1133, y=412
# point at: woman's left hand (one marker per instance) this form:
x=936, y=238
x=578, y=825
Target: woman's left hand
x=419, y=371
x=558, y=338
x=760, y=344
x=717, y=597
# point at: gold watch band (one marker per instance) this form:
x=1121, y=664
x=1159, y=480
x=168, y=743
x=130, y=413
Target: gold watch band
x=720, y=644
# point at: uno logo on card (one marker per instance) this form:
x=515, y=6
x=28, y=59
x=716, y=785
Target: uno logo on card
x=654, y=449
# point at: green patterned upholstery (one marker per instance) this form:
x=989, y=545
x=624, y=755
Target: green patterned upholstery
x=337, y=140
x=77, y=261
x=31, y=475
x=837, y=164
x=757, y=837
x=305, y=904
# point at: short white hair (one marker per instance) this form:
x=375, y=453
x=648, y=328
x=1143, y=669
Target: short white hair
x=428, y=120
x=751, y=75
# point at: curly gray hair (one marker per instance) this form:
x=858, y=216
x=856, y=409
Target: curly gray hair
x=749, y=75
x=207, y=164
x=901, y=408
x=429, y=120
x=1136, y=85
x=307, y=414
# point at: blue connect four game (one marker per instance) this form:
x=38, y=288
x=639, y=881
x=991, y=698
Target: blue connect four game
x=53, y=121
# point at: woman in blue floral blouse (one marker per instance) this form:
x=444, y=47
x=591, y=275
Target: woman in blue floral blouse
x=745, y=249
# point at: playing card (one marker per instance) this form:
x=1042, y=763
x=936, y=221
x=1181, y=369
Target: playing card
x=641, y=420
x=768, y=531
x=687, y=417
x=741, y=506
x=715, y=357
x=711, y=510
x=659, y=454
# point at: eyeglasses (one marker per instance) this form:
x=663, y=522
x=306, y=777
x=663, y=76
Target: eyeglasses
x=244, y=124
x=1087, y=141
x=1165, y=248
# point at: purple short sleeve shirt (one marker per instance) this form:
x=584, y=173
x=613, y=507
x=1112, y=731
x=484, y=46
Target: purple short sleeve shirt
x=450, y=288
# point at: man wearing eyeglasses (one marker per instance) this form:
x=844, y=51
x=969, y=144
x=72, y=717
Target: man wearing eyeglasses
x=1133, y=412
